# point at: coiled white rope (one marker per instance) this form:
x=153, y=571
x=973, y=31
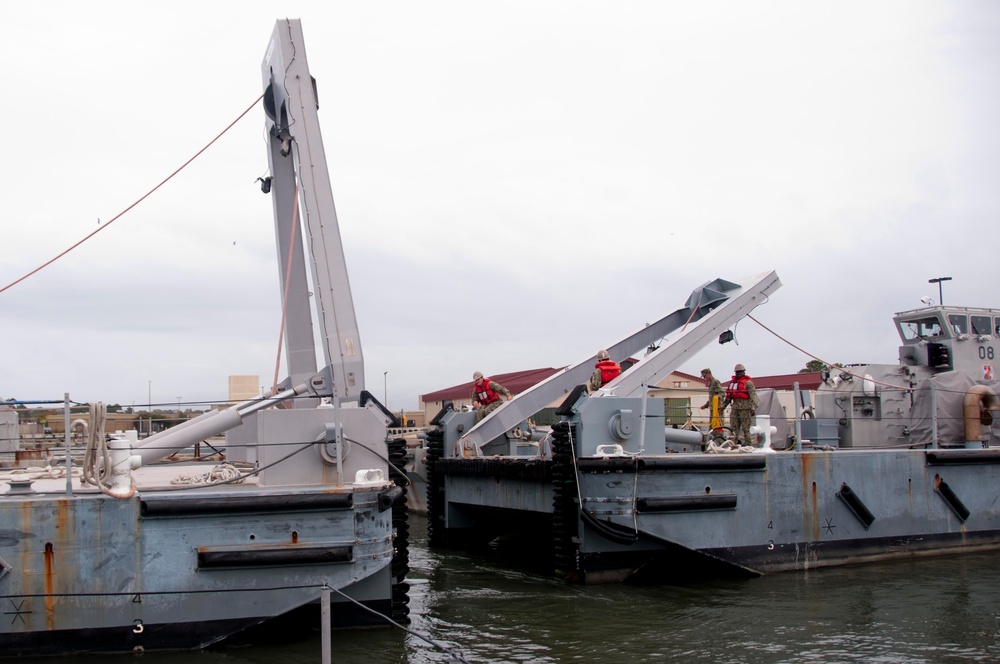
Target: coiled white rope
x=727, y=447
x=225, y=472
x=97, y=458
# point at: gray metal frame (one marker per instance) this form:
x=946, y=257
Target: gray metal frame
x=711, y=308
x=297, y=157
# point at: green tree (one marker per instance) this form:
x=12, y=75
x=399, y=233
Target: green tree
x=814, y=365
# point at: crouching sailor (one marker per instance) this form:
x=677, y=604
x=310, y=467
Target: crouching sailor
x=486, y=395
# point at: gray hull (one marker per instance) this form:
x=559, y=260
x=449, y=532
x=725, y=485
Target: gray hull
x=165, y=570
x=669, y=517
x=764, y=513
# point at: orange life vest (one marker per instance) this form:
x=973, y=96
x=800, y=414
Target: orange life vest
x=609, y=370
x=738, y=388
x=485, y=395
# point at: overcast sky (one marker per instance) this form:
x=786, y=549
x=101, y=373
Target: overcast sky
x=518, y=183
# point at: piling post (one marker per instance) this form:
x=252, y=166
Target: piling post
x=798, y=417
x=934, y=417
x=324, y=628
x=69, y=456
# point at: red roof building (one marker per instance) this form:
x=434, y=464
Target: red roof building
x=683, y=383
x=785, y=382
x=516, y=382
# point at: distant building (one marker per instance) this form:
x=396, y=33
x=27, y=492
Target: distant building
x=9, y=434
x=409, y=419
x=784, y=387
x=683, y=394
x=461, y=395
x=243, y=388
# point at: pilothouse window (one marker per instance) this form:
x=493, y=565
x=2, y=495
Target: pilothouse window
x=959, y=323
x=922, y=328
x=981, y=325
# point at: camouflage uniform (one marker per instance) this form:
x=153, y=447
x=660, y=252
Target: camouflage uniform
x=483, y=411
x=597, y=378
x=741, y=412
x=714, y=390
x=595, y=381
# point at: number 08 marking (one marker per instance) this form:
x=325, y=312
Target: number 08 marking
x=986, y=352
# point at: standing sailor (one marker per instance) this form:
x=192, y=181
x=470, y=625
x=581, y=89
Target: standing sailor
x=743, y=396
x=716, y=395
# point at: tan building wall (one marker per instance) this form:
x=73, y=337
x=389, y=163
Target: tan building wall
x=243, y=388
x=409, y=419
x=432, y=408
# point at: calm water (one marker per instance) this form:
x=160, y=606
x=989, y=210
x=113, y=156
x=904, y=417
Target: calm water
x=931, y=610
